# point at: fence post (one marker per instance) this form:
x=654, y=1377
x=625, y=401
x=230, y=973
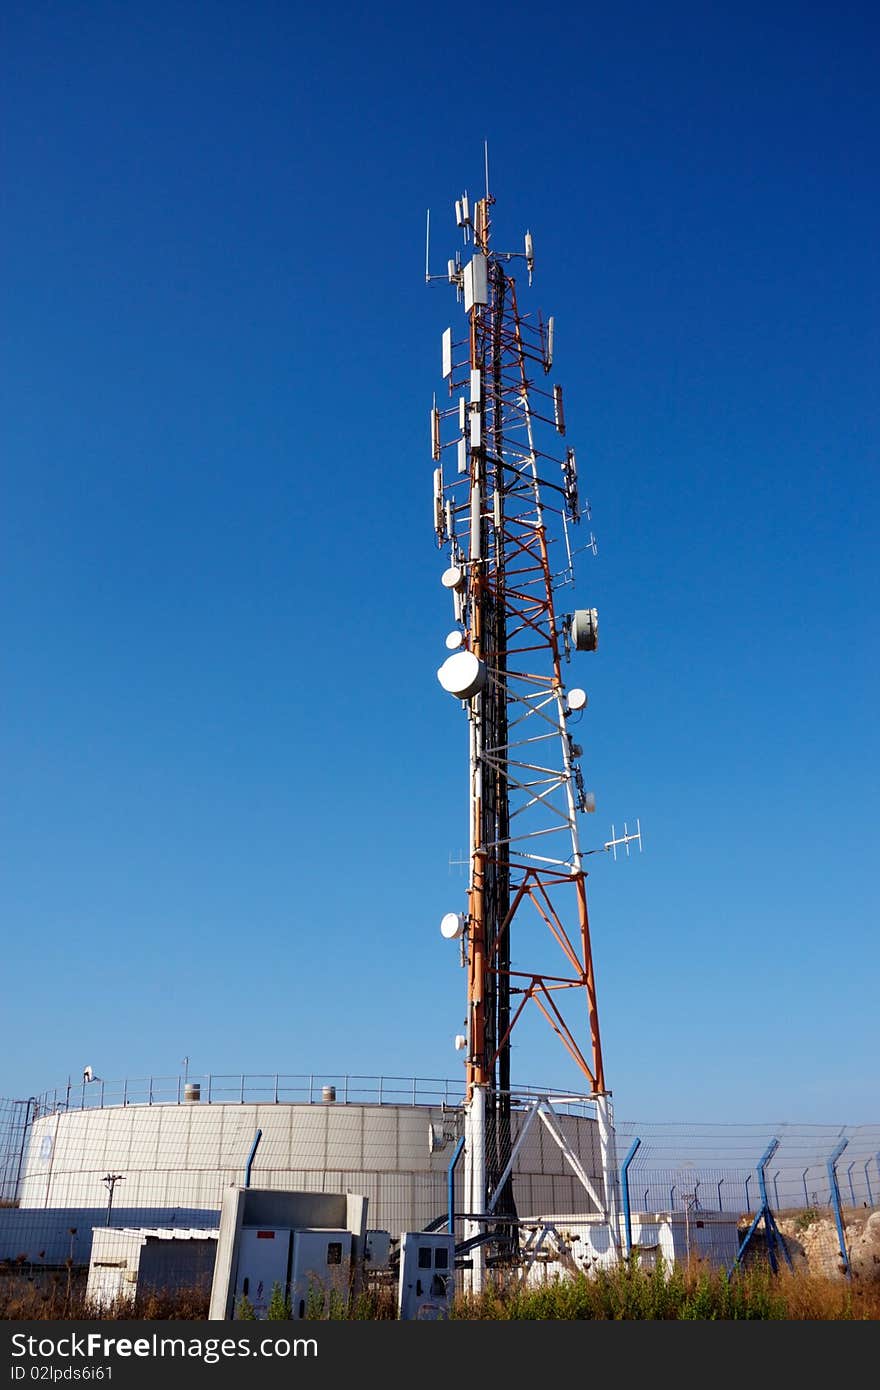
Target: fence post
x=776, y=1188
x=804, y=1181
x=450, y=1186
x=868, y=1185
x=624, y=1184
x=771, y=1230
x=24, y=1135
x=835, y=1202
x=748, y=1180
x=850, y=1181
x=720, y=1202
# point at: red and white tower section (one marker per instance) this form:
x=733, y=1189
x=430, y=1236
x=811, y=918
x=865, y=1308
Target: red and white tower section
x=508, y=512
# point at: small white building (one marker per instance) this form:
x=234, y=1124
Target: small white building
x=128, y=1261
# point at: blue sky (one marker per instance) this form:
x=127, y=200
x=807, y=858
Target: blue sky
x=231, y=782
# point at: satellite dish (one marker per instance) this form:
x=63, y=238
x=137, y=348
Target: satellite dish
x=452, y=578
x=585, y=629
x=463, y=674
x=577, y=699
x=454, y=640
x=590, y=802
x=460, y=1042
x=437, y=1139
x=452, y=925
x=88, y=1074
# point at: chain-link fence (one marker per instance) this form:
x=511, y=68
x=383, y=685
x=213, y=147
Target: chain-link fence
x=150, y=1159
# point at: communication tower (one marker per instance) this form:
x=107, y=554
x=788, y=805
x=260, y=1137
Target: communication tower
x=507, y=507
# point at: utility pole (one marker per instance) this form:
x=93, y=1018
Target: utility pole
x=110, y=1182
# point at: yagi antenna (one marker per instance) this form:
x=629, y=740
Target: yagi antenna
x=626, y=839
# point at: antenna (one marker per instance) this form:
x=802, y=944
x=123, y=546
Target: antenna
x=428, y=276
x=525, y=858
x=625, y=839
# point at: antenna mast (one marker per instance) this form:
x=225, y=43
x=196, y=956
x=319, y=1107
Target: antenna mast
x=504, y=504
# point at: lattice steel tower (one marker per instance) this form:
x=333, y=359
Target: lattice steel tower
x=506, y=506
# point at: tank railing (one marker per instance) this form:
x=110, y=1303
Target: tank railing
x=275, y=1088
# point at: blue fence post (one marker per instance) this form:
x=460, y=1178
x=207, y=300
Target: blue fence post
x=250, y=1158
x=804, y=1180
x=748, y=1180
x=835, y=1202
x=850, y=1181
x=775, y=1188
x=771, y=1230
x=868, y=1185
x=450, y=1184
x=720, y=1202
x=672, y=1196
x=624, y=1183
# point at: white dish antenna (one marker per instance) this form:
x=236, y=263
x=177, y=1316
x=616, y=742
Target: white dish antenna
x=452, y=925
x=463, y=674
x=454, y=640
x=585, y=629
x=577, y=699
x=452, y=578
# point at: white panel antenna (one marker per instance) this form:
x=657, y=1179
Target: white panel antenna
x=558, y=412
x=476, y=282
x=447, y=353
x=548, y=354
x=435, y=432
x=439, y=509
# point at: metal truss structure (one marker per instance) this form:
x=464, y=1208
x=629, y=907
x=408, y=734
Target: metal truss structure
x=506, y=507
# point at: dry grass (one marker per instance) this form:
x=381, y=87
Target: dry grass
x=57, y=1297
x=697, y=1293
x=627, y=1293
